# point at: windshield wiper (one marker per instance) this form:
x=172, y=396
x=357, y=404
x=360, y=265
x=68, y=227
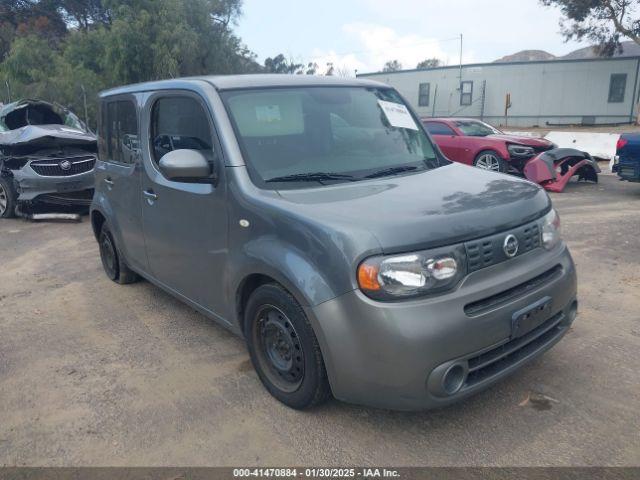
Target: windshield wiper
x=313, y=177
x=391, y=171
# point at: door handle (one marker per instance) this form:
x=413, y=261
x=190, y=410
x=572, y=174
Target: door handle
x=151, y=196
x=108, y=181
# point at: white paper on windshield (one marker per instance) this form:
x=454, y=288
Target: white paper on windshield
x=398, y=115
x=268, y=113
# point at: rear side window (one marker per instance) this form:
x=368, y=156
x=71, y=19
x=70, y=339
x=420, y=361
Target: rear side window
x=466, y=93
x=119, y=140
x=617, y=86
x=423, y=94
x=438, y=128
x=180, y=122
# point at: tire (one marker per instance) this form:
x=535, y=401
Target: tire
x=8, y=198
x=112, y=262
x=284, y=349
x=490, y=160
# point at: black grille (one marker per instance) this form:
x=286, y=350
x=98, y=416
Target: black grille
x=498, y=359
x=488, y=251
x=51, y=167
x=479, y=254
x=489, y=303
x=543, y=148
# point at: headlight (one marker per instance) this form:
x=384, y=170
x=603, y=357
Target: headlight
x=414, y=274
x=520, y=150
x=551, y=230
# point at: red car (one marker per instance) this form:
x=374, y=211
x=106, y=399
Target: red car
x=475, y=143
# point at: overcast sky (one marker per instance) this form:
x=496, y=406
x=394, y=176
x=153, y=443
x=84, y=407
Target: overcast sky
x=364, y=34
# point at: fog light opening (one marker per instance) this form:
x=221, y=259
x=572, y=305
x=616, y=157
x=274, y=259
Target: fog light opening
x=573, y=312
x=453, y=380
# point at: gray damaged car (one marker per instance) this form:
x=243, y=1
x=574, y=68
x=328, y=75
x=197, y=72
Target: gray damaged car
x=47, y=156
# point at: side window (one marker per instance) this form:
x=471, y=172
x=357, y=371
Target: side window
x=466, y=93
x=438, y=128
x=180, y=122
x=119, y=131
x=617, y=86
x=423, y=94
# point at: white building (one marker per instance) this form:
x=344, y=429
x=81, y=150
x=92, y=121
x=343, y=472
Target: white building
x=542, y=93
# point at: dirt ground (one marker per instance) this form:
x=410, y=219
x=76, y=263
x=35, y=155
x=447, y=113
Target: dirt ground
x=94, y=373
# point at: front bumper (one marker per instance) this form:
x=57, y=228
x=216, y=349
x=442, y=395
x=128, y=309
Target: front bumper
x=30, y=186
x=394, y=355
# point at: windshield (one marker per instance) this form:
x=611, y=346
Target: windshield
x=474, y=128
x=326, y=135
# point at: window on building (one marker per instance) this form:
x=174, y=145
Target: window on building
x=180, y=122
x=438, y=128
x=119, y=132
x=617, y=86
x=423, y=94
x=466, y=93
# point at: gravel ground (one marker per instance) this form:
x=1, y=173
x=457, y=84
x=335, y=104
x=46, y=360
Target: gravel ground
x=93, y=373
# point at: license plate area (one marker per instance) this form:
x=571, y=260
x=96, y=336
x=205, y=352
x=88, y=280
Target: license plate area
x=525, y=320
x=68, y=186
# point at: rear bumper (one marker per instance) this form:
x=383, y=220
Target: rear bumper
x=397, y=355
x=629, y=171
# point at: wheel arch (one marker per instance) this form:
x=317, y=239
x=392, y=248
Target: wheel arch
x=97, y=221
x=251, y=281
x=499, y=148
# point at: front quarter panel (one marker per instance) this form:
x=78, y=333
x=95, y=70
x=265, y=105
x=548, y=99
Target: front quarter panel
x=313, y=260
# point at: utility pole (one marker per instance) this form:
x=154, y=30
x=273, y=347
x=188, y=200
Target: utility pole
x=460, y=58
x=6, y=82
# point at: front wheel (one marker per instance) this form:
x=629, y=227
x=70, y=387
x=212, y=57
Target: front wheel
x=8, y=198
x=284, y=349
x=490, y=160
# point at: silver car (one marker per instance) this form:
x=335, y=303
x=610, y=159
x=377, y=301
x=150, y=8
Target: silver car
x=47, y=156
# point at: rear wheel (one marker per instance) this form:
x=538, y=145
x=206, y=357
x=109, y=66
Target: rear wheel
x=490, y=160
x=284, y=349
x=8, y=198
x=113, y=264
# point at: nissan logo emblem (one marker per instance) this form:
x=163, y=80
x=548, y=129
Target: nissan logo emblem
x=510, y=246
x=65, y=165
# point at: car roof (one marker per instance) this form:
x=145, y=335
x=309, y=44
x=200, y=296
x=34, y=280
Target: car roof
x=232, y=82
x=449, y=119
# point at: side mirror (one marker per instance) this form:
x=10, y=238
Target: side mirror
x=185, y=165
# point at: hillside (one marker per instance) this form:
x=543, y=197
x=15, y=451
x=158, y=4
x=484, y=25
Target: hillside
x=629, y=49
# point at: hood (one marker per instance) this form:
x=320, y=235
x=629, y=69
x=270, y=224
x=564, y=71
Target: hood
x=439, y=207
x=536, y=142
x=36, y=112
x=46, y=136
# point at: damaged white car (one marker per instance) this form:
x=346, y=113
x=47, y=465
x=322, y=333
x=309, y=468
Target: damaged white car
x=47, y=156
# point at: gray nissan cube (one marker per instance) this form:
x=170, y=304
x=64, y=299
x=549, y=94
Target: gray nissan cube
x=315, y=217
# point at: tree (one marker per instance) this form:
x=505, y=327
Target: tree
x=604, y=22
x=104, y=43
x=429, y=63
x=280, y=64
x=330, y=70
x=85, y=13
x=312, y=68
x=392, y=66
